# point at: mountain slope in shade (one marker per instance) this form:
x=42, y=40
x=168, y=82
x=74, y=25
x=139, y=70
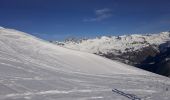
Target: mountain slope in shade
x=33, y=69
x=160, y=63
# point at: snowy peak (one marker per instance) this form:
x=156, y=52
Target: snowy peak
x=1, y=27
x=118, y=43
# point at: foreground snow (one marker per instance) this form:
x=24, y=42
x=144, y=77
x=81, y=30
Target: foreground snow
x=33, y=69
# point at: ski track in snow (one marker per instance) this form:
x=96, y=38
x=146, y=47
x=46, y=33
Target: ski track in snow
x=55, y=92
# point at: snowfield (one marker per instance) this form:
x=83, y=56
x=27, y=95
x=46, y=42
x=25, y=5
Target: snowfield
x=33, y=69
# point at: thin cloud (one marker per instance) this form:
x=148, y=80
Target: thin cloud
x=102, y=11
x=100, y=14
x=165, y=21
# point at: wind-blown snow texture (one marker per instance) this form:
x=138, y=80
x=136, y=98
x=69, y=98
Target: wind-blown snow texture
x=33, y=69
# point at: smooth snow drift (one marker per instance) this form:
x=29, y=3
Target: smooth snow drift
x=33, y=69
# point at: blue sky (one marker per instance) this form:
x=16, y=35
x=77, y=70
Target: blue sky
x=60, y=19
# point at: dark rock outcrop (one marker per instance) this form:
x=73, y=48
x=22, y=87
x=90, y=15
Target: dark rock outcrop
x=153, y=58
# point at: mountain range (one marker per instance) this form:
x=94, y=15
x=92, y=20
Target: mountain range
x=148, y=51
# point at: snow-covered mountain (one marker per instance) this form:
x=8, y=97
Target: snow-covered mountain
x=33, y=69
x=117, y=44
x=130, y=49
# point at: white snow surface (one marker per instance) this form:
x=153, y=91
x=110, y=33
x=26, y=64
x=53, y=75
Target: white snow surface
x=33, y=69
x=118, y=43
x=1, y=27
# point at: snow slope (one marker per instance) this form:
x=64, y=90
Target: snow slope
x=33, y=69
x=117, y=44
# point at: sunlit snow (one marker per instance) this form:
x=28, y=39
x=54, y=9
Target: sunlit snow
x=33, y=69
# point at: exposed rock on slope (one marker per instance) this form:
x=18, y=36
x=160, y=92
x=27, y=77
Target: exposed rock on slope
x=159, y=63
